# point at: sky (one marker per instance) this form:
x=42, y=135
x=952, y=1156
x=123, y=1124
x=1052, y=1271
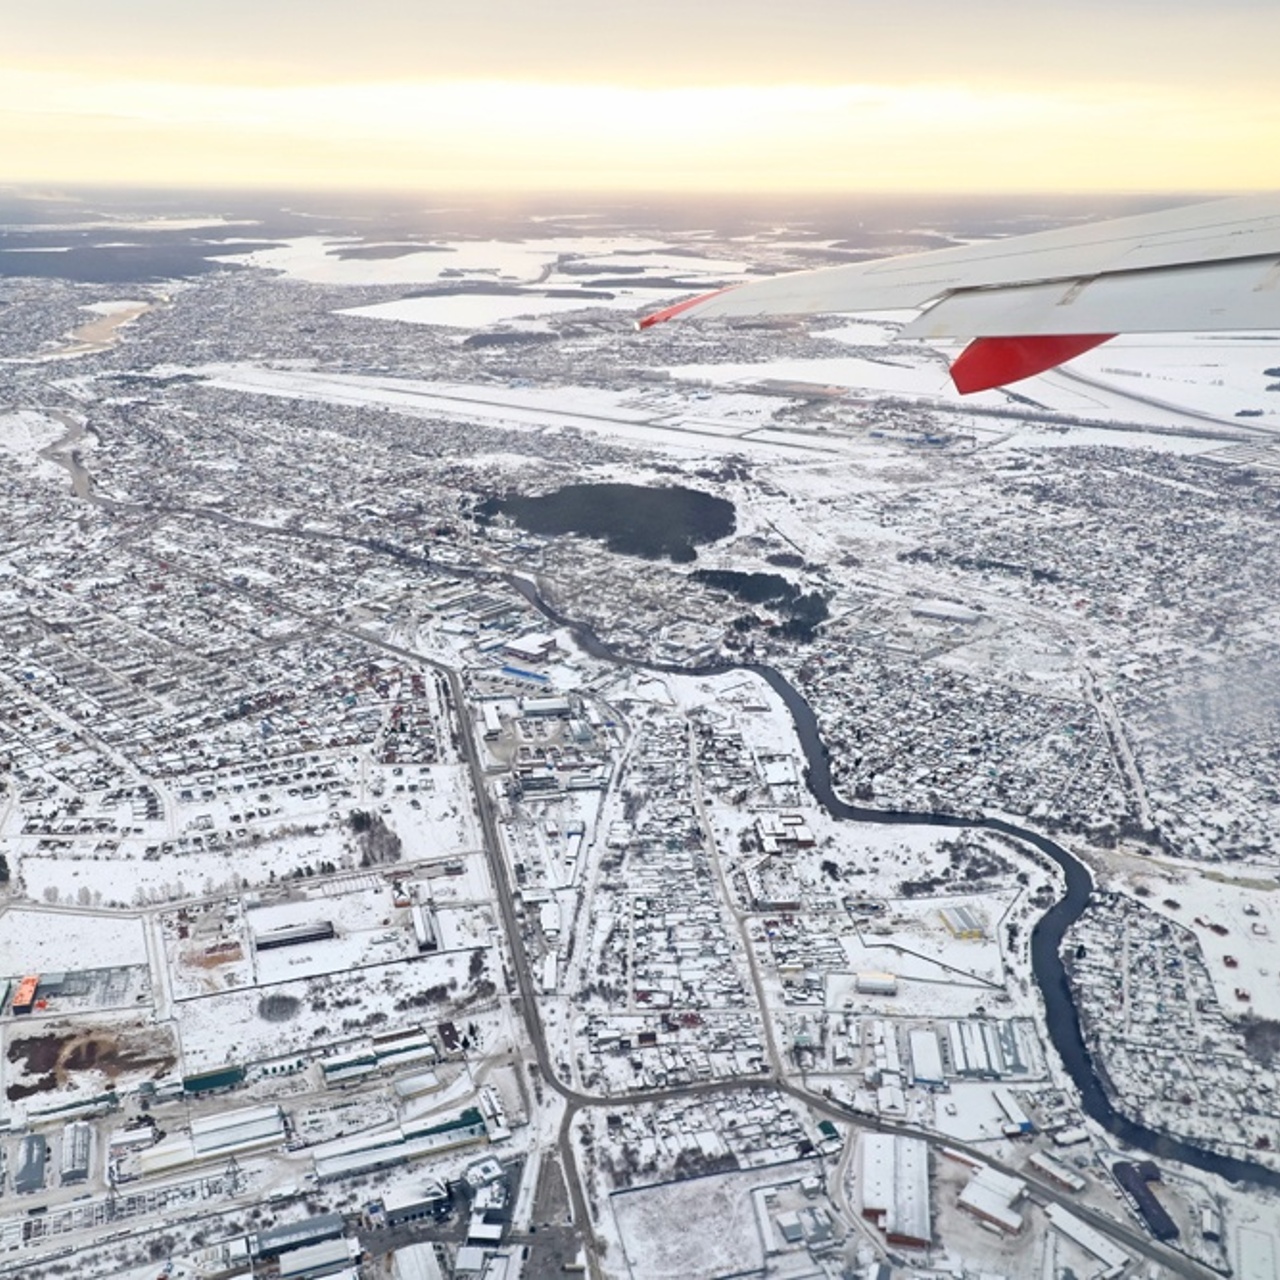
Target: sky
x=708, y=95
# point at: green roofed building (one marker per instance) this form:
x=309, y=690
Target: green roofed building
x=212, y=1081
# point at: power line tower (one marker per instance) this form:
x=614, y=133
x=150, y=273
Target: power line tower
x=233, y=1177
x=113, y=1197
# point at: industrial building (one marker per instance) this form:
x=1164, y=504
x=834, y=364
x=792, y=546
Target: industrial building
x=876, y=984
x=416, y=1085
x=297, y=1235
x=976, y=1050
x=1018, y=1122
x=213, y=1081
x=1113, y=1259
x=424, y=927
x=1133, y=1179
x=415, y=1204
x=314, y=1261
x=551, y=705
x=1056, y=1171
x=945, y=611
x=238, y=1130
x=77, y=1139
x=1070, y=1136
x=964, y=922
x=24, y=998
x=926, y=1057
x=530, y=648
x=384, y=1055
x=28, y=1176
x=293, y=935
x=492, y=721
x=990, y=1197
x=895, y=1187
x=366, y=1152
x=416, y=1262
x=211, y=1137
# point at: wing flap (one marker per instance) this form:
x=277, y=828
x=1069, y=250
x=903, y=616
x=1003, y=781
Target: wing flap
x=1192, y=299
x=995, y=362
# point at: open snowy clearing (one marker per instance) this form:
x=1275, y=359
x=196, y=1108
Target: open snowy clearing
x=24, y=433
x=691, y=1230
x=318, y=260
x=230, y=1027
x=478, y=310
x=34, y=941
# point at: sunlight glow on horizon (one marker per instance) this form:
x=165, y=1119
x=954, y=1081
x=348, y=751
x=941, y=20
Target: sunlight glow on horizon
x=60, y=127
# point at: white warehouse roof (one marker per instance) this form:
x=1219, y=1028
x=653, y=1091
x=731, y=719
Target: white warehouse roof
x=233, y=1119
x=895, y=1185
x=926, y=1057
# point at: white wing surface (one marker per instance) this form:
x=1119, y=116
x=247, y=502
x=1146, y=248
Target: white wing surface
x=1033, y=301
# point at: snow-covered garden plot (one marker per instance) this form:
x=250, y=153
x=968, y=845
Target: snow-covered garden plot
x=1232, y=913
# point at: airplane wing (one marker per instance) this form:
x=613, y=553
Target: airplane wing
x=1031, y=302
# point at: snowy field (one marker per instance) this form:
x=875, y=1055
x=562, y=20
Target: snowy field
x=907, y=371
x=696, y=1230
x=1216, y=374
x=119, y=306
x=370, y=932
x=24, y=433
x=1179, y=380
x=132, y=881
x=922, y=991
x=479, y=310
x=57, y=941
x=319, y=261
x=229, y=1028
x=915, y=931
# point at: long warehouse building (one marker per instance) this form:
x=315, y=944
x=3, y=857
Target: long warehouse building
x=895, y=1187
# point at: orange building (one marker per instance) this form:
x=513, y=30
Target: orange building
x=24, y=997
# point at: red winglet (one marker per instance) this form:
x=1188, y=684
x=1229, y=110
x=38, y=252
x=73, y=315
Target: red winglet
x=657, y=317
x=992, y=362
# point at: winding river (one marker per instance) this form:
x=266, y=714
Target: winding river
x=1050, y=975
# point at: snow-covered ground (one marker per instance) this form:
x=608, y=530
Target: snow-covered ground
x=230, y=1027
x=478, y=310
x=48, y=941
x=23, y=433
x=116, y=307
x=318, y=260
x=667, y=1234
